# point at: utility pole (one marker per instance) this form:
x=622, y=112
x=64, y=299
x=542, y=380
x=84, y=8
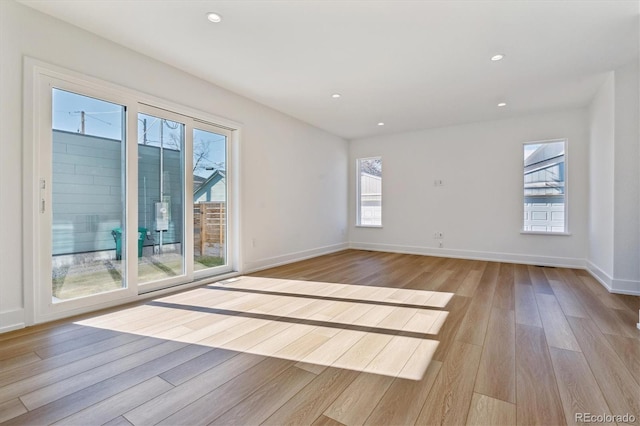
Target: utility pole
x=144, y=131
x=82, y=122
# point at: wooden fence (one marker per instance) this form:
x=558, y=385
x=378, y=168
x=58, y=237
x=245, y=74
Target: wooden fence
x=209, y=227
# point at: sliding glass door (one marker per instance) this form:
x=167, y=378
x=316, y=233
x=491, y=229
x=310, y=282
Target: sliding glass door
x=130, y=198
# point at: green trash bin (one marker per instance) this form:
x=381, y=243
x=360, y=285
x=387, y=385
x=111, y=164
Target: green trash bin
x=117, y=236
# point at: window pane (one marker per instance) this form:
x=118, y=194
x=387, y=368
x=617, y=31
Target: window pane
x=87, y=195
x=209, y=199
x=544, y=187
x=160, y=198
x=370, y=191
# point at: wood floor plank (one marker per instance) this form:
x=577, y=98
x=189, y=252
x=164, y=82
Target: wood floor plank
x=470, y=283
x=578, y=388
x=362, y=352
x=416, y=366
x=63, y=347
x=37, y=335
x=391, y=360
x=326, y=421
x=55, y=375
x=74, y=360
x=13, y=349
x=474, y=325
x=504, y=297
x=112, y=407
x=450, y=396
x=556, y=328
x=605, y=318
x=118, y=421
x=497, y=370
x=402, y=402
x=330, y=351
x=539, y=280
x=225, y=397
x=521, y=274
x=608, y=299
x=537, y=395
x=168, y=403
x=31, y=334
x=569, y=304
x=309, y=404
x=267, y=399
x=62, y=388
x=526, y=307
x=619, y=388
x=19, y=361
x=357, y=401
x=485, y=411
x=196, y=366
x=628, y=350
x=10, y=409
x=87, y=397
x=457, y=309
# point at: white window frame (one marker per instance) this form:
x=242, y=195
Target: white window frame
x=358, y=193
x=38, y=76
x=566, y=188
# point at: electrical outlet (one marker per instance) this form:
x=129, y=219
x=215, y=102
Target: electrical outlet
x=440, y=244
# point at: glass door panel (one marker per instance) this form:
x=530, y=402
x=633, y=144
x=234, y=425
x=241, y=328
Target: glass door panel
x=87, y=196
x=161, y=184
x=209, y=200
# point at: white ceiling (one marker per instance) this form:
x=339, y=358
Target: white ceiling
x=412, y=64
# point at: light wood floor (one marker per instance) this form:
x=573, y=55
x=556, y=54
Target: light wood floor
x=350, y=338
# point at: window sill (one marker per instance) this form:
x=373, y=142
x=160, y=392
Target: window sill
x=369, y=226
x=562, y=234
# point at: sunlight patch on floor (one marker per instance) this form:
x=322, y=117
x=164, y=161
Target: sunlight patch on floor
x=379, y=330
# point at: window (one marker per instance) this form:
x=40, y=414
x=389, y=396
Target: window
x=369, y=191
x=545, y=188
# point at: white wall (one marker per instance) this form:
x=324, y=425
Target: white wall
x=627, y=175
x=601, y=179
x=479, y=209
x=293, y=176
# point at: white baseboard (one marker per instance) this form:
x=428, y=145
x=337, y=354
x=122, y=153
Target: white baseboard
x=272, y=262
x=601, y=276
x=11, y=320
x=613, y=285
x=561, y=262
x=626, y=287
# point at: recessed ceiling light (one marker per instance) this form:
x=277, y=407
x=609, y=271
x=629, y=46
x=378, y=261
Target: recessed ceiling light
x=501, y=104
x=497, y=57
x=381, y=124
x=335, y=95
x=214, y=17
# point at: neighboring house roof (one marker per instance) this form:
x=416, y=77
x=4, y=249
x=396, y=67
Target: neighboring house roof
x=546, y=155
x=202, y=185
